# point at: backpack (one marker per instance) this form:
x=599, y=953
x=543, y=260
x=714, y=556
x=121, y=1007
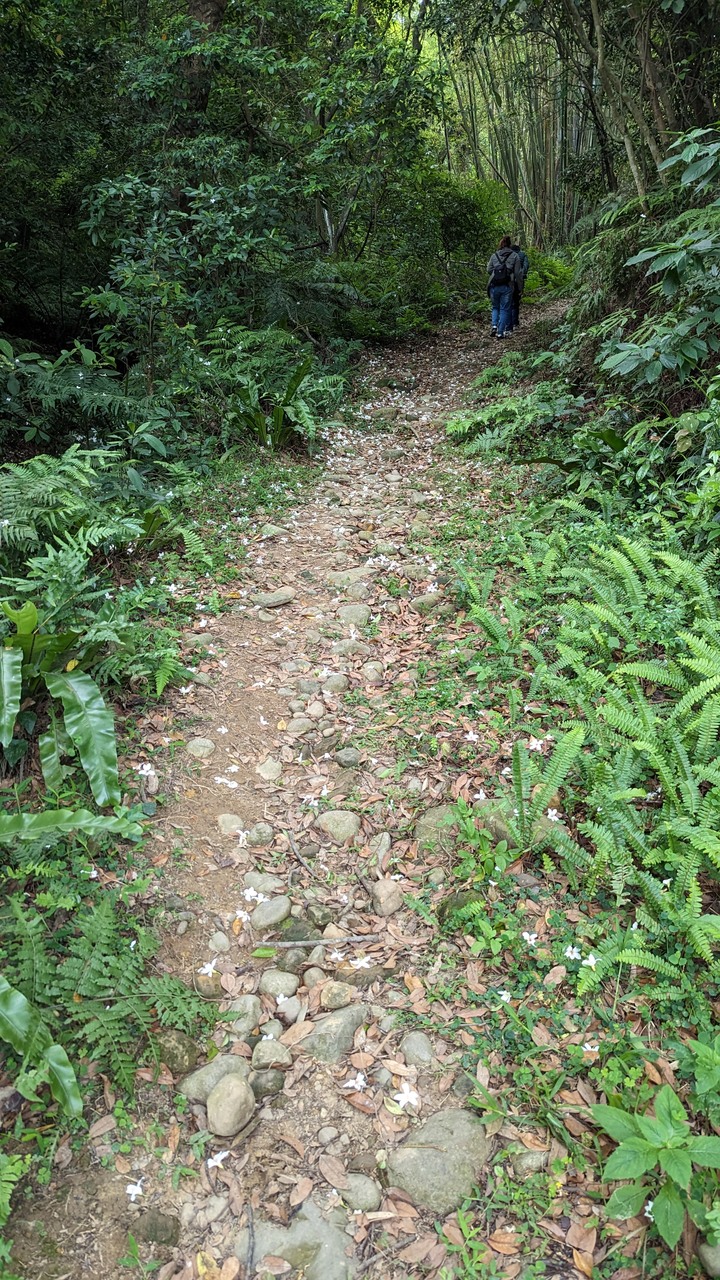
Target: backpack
x=502, y=275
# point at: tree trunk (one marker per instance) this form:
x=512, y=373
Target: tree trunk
x=198, y=71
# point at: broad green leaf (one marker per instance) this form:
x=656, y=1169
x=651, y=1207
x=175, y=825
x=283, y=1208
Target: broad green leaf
x=25, y=619
x=10, y=692
x=670, y=1110
x=633, y=1158
x=32, y=826
x=90, y=725
x=22, y=1027
x=705, y=1151
x=52, y=745
x=619, y=1124
x=627, y=1201
x=669, y=1214
x=675, y=1162
x=657, y=1131
x=63, y=1082
x=20, y=1024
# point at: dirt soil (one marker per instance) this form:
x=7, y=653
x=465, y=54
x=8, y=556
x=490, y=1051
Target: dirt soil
x=270, y=698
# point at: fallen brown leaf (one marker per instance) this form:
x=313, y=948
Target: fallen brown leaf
x=505, y=1242
x=533, y=1142
x=295, y=1143
x=584, y=1263
x=555, y=976
x=301, y=1191
x=105, y=1124
x=419, y=1249
x=294, y=1034
x=581, y=1237
x=333, y=1171
x=275, y=1266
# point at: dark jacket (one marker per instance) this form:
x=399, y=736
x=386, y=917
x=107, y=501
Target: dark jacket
x=524, y=260
x=510, y=260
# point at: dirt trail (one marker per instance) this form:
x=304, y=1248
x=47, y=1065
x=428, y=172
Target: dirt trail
x=300, y=715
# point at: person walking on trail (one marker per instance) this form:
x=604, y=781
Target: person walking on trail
x=518, y=292
x=504, y=272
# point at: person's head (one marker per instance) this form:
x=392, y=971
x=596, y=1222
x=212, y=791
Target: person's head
x=505, y=243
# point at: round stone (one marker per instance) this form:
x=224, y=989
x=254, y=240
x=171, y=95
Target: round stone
x=354, y=615
x=362, y=1193
x=230, y=1106
x=289, y=1010
x=336, y=995
x=248, y=1012
x=270, y=770
x=263, y=882
x=327, y=1134
x=267, y=1084
x=341, y=825
x=299, y=725
x=335, y=684
x=373, y=673
x=348, y=757
x=312, y=976
x=270, y=913
x=201, y=748
x=276, y=983
x=229, y=824
x=176, y=1050
x=219, y=941
x=417, y=1049
x=273, y=599
x=198, y=1086
x=270, y=1053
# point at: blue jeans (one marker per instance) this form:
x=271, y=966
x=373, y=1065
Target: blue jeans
x=501, y=299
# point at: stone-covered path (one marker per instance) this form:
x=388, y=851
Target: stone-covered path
x=336, y=1136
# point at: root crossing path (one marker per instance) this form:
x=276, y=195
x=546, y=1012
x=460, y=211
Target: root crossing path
x=330, y=1136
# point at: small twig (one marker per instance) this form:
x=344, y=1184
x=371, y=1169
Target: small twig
x=319, y=942
x=301, y=860
x=365, y=884
x=384, y=1253
x=249, y=1257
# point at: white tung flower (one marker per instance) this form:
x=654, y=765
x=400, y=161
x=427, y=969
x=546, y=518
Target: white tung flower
x=529, y=938
x=222, y=728
x=648, y=1211
x=590, y=961
x=361, y=962
x=471, y=736
x=504, y=996
x=407, y=1097
x=209, y=968
x=573, y=953
x=134, y=1189
x=215, y=1162
x=553, y=815
x=358, y=1082
x=590, y=1048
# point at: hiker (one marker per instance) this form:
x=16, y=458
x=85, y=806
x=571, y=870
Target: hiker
x=518, y=292
x=504, y=271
